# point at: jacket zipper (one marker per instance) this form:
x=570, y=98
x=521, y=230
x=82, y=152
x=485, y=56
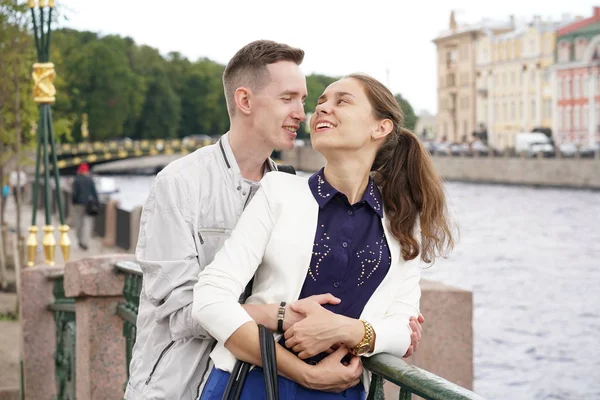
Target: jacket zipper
x=158, y=361
x=201, y=239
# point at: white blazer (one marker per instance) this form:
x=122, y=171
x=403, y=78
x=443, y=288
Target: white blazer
x=273, y=241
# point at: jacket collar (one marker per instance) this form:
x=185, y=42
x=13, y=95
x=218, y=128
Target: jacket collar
x=230, y=164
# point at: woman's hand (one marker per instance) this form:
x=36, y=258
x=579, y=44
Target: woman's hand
x=319, y=330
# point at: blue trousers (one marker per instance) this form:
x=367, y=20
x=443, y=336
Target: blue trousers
x=254, y=388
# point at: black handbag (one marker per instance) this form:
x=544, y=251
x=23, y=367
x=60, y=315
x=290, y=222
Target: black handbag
x=236, y=381
x=92, y=208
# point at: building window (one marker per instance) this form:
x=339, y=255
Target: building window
x=513, y=79
x=585, y=81
x=533, y=76
x=576, y=87
x=513, y=116
x=576, y=118
x=568, y=119
x=586, y=117
x=564, y=50
x=560, y=119
x=504, y=111
x=559, y=88
x=547, y=74
x=568, y=88
x=580, y=45
x=465, y=129
x=547, y=108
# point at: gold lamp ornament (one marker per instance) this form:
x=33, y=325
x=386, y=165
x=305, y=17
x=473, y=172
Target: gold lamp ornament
x=44, y=93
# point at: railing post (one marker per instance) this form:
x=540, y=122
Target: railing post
x=100, y=344
x=38, y=332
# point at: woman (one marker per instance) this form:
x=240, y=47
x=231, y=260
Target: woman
x=358, y=237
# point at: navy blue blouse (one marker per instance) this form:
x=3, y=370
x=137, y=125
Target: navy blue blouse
x=350, y=252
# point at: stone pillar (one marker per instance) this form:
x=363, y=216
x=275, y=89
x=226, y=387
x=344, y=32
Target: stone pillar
x=110, y=219
x=100, y=348
x=446, y=348
x=38, y=332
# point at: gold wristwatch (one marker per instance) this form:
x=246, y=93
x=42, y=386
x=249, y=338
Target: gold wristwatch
x=367, y=341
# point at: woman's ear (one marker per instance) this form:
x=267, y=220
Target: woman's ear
x=384, y=128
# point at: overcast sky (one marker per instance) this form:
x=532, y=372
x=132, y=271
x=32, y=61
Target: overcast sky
x=391, y=40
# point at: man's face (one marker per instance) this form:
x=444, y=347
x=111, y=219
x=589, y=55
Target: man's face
x=278, y=107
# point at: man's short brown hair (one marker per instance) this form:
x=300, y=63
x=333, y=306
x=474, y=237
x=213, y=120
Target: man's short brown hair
x=248, y=67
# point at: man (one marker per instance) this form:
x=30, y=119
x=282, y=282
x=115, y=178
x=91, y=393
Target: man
x=83, y=191
x=193, y=206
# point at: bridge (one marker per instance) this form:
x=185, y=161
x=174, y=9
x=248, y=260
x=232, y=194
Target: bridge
x=71, y=155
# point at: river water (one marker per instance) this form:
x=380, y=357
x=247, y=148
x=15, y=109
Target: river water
x=531, y=257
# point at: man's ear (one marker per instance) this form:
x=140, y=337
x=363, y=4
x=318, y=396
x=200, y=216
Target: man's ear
x=243, y=100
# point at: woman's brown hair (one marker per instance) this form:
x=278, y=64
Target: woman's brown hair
x=410, y=186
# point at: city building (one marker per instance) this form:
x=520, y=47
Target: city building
x=514, y=80
x=576, y=82
x=456, y=77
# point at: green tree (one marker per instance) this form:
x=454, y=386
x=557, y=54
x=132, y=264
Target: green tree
x=161, y=110
x=410, y=118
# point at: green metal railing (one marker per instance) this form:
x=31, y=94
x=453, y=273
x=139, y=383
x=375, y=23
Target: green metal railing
x=128, y=310
x=412, y=380
x=64, y=359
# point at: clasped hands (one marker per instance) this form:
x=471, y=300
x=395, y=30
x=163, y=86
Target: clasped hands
x=311, y=329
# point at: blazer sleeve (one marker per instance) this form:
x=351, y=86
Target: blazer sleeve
x=221, y=283
x=393, y=330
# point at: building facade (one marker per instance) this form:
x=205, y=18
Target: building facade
x=456, y=77
x=514, y=80
x=576, y=82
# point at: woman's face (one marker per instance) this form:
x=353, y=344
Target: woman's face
x=343, y=119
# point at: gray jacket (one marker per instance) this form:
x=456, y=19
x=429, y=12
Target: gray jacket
x=194, y=204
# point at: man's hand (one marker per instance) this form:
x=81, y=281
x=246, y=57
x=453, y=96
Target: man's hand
x=318, y=331
x=415, y=337
x=292, y=316
x=330, y=375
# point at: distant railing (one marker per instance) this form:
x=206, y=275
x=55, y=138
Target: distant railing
x=64, y=317
x=412, y=380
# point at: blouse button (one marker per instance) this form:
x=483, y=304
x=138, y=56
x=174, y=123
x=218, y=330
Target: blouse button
x=336, y=285
x=344, y=244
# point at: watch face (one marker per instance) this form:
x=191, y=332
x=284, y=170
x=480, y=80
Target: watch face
x=364, y=349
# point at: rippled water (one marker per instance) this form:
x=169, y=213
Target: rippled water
x=531, y=257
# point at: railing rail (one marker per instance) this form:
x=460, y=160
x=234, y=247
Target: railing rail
x=412, y=380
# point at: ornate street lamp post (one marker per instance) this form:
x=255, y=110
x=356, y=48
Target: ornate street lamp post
x=43, y=93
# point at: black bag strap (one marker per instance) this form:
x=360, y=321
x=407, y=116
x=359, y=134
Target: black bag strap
x=268, y=356
x=286, y=168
